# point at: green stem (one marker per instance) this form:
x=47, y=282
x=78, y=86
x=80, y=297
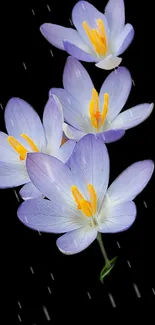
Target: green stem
x=99, y=238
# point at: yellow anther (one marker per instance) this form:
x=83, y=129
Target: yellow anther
x=30, y=142
x=17, y=147
x=88, y=31
x=104, y=108
x=77, y=195
x=97, y=36
x=97, y=118
x=93, y=197
x=102, y=32
x=94, y=109
x=87, y=207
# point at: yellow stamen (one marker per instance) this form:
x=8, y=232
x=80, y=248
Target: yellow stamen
x=105, y=108
x=93, y=197
x=92, y=117
x=77, y=195
x=17, y=147
x=101, y=30
x=88, y=31
x=97, y=36
x=94, y=111
x=30, y=142
x=97, y=119
x=88, y=208
x=99, y=43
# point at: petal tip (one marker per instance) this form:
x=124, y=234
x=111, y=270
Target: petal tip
x=50, y=93
x=151, y=107
x=43, y=28
x=70, y=58
x=109, y=63
x=123, y=69
x=151, y=165
x=14, y=100
x=147, y=164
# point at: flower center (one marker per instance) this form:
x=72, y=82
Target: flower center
x=87, y=207
x=97, y=36
x=19, y=148
x=97, y=118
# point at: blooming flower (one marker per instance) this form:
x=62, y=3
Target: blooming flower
x=87, y=112
x=26, y=134
x=99, y=38
x=80, y=205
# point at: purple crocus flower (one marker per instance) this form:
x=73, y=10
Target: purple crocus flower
x=26, y=134
x=80, y=205
x=87, y=112
x=99, y=38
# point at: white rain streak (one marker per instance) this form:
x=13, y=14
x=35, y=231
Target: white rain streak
x=19, y=318
x=133, y=82
x=75, y=242
x=1, y=106
x=52, y=276
x=48, y=7
x=137, y=290
x=129, y=264
x=24, y=65
x=19, y=304
x=89, y=296
x=46, y=313
x=118, y=244
x=153, y=290
x=33, y=12
x=31, y=268
x=112, y=300
x=51, y=53
x=26, y=220
x=145, y=205
x=39, y=233
x=49, y=290
x=16, y=195
x=70, y=20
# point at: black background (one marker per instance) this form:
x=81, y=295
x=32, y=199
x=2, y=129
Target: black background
x=29, y=258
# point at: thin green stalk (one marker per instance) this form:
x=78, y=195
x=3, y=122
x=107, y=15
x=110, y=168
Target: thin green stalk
x=99, y=239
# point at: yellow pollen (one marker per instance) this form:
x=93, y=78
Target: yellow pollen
x=30, y=142
x=87, y=207
x=97, y=36
x=19, y=148
x=97, y=118
x=93, y=197
x=105, y=108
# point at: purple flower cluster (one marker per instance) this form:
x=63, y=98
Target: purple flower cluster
x=66, y=185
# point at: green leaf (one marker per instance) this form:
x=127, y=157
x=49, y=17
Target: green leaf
x=107, y=268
